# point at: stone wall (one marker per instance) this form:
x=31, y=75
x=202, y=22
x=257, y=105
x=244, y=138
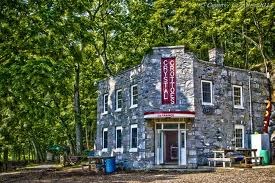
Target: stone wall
x=185, y=93
x=152, y=80
x=124, y=118
x=214, y=125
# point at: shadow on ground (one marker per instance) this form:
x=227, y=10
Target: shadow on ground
x=77, y=175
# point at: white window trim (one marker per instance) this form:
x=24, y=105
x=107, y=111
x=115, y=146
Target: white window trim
x=104, y=149
x=121, y=148
x=133, y=149
x=117, y=109
x=132, y=97
x=105, y=111
x=211, y=90
x=241, y=90
x=242, y=128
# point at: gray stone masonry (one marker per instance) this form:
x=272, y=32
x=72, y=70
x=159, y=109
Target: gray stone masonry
x=212, y=127
x=220, y=121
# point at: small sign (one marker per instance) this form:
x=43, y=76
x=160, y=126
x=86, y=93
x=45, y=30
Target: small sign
x=166, y=115
x=168, y=80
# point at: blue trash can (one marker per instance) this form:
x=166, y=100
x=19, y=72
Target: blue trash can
x=110, y=165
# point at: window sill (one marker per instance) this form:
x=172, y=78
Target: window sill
x=133, y=106
x=104, y=150
x=118, y=150
x=104, y=113
x=209, y=104
x=133, y=150
x=118, y=110
x=238, y=107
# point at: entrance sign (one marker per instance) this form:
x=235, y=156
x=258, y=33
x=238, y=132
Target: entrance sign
x=169, y=114
x=168, y=80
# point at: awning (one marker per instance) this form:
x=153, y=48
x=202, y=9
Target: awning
x=169, y=114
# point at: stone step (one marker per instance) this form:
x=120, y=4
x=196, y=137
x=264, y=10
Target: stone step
x=168, y=168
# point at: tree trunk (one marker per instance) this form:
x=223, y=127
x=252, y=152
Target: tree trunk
x=272, y=80
x=36, y=153
x=6, y=158
x=6, y=154
x=93, y=132
x=29, y=153
x=13, y=154
x=78, y=125
x=70, y=138
x=41, y=154
x=19, y=155
x=24, y=155
x=87, y=130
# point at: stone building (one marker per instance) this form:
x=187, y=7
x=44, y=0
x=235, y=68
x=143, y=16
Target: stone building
x=174, y=109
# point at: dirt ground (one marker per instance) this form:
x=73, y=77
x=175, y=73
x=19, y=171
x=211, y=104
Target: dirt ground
x=77, y=175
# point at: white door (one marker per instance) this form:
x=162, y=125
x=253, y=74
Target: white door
x=182, y=145
x=159, y=147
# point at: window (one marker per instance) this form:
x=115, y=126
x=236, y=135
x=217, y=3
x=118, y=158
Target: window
x=105, y=103
x=118, y=137
x=134, y=140
x=239, y=136
x=237, y=96
x=206, y=90
x=105, y=139
x=118, y=100
x=134, y=96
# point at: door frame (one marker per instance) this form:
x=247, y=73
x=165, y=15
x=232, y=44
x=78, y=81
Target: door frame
x=159, y=146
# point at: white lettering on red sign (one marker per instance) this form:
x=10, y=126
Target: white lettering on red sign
x=168, y=79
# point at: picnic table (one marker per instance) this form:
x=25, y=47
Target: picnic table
x=98, y=161
x=72, y=160
x=248, y=156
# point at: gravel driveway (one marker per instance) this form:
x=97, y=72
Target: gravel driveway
x=77, y=175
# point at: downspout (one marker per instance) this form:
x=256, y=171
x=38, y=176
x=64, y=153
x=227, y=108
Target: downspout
x=270, y=99
x=250, y=104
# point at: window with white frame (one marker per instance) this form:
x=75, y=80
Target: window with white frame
x=239, y=136
x=105, y=103
x=105, y=138
x=134, y=138
x=206, y=90
x=118, y=137
x=237, y=96
x=118, y=100
x=134, y=95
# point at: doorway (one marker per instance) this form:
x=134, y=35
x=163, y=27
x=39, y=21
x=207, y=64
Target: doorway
x=170, y=147
x=170, y=140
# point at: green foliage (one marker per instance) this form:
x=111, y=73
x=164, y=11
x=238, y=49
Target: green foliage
x=42, y=42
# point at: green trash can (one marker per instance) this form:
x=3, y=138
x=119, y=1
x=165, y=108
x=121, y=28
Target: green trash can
x=265, y=155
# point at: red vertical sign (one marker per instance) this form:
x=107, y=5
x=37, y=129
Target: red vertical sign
x=168, y=80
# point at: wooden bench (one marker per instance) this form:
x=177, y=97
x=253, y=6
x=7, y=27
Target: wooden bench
x=72, y=160
x=89, y=164
x=224, y=160
x=96, y=163
x=248, y=160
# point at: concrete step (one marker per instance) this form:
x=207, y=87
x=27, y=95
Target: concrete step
x=181, y=168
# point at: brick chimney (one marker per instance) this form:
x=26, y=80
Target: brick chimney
x=216, y=56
